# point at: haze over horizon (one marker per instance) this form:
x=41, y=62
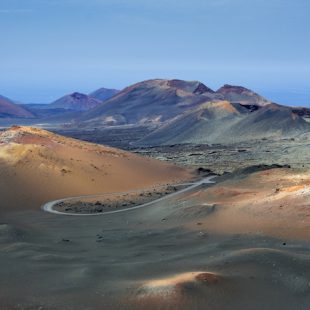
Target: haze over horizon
x=50, y=48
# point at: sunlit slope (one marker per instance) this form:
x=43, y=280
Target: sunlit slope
x=37, y=166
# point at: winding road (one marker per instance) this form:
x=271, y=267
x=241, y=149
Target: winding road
x=48, y=207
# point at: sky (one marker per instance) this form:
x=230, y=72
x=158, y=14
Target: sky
x=53, y=47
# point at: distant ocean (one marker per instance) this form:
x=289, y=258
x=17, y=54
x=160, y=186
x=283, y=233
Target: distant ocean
x=287, y=97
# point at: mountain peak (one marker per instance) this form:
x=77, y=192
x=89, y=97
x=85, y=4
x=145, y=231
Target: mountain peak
x=78, y=96
x=242, y=95
x=16, y=133
x=76, y=101
x=151, y=101
x=202, y=88
x=231, y=88
x=9, y=109
x=103, y=93
x=194, y=87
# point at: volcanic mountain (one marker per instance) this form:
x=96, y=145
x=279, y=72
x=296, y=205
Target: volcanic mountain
x=103, y=94
x=76, y=102
x=9, y=109
x=152, y=101
x=242, y=95
x=157, y=101
x=227, y=122
x=37, y=166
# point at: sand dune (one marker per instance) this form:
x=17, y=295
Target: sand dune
x=37, y=166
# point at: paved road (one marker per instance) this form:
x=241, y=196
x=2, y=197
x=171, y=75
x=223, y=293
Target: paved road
x=48, y=207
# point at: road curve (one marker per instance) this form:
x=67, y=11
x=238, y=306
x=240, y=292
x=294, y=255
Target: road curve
x=48, y=207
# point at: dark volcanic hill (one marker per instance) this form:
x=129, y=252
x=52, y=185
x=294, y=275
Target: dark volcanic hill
x=103, y=94
x=76, y=102
x=11, y=110
x=242, y=95
x=226, y=122
x=152, y=101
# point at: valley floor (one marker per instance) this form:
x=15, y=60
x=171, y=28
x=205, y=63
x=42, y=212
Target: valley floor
x=242, y=243
x=221, y=158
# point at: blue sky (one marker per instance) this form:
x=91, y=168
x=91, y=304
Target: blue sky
x=53, y=47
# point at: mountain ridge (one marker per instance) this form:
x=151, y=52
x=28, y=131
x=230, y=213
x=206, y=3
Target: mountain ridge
x=10, y=109
x=75, y=101
x=226, y=122
x=103, y=93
